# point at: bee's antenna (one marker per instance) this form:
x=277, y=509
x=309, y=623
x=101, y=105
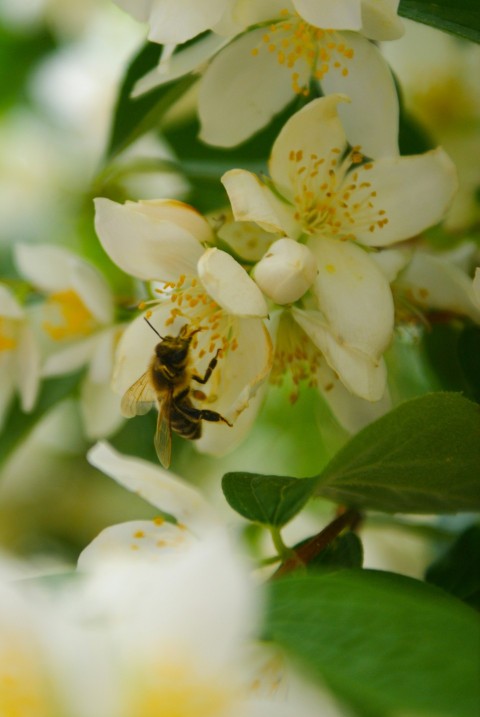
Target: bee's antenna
x=153, y=328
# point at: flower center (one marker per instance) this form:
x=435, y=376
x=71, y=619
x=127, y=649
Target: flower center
x=302, y=47
x=7, y=342
x=177, y=691
x=332, y=194
x=294, y=354
x=68, y=317
x=22, y=692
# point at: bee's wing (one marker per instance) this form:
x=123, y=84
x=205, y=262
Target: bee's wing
x=163, y=434
x=138, y=399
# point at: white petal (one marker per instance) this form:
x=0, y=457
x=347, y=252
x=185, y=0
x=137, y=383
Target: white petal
x=181, y=63
x=371, y=119
x=332, y=14
x=352, y=412
x=391, y=261
x=253, y=201
x=414, y=192
x=286, y=271
x=28, y=368
x=139, y=541
x=100, y=409
x=135, y=349
x=162, y=489
x=93, y=290
x=139, y=9
x=245, y=239
x=435, y=283
x=251, y=88
x=358, y=372
x=310, y=133
x=229, y=284
x=71, y=358
x=380, y=20
x=240, y=376
x=151, y=240
x=354, y=295
x=45, y=265
x=176, y=22
x=249, y=13
x=9, y=306
x=101, y=362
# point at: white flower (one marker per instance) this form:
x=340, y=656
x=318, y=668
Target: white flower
x=19, y=355
x=164, y=240
x=441, y=281
x=164, y=589
x=49, y=663
x=78, y=321
x=287, y=46
x=304, y=41
x=341, y=207
x=172, y=22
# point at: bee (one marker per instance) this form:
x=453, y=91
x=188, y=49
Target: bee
x=167, y=382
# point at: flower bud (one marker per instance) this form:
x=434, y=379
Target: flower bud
x=286, y=271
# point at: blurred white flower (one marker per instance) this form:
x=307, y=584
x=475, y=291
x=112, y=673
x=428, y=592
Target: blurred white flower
x=19, y=355
x=182, y=610
x=163, y=240
x=341, y=206
x=441, y=281
x=78, y=320
x=438, y=74
x=172, y=22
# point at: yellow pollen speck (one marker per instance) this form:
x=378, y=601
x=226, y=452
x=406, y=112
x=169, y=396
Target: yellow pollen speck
x=330, y=268
x=139, y=534
x=134, y=547
x=159, y=520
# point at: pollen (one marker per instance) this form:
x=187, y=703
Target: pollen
x=67, y=316
x=332, y=195
x=307, y=51
x=7, y=341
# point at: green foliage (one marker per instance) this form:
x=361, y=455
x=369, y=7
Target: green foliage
x=345, y=551
x=458, y=570
x=384, y=643
x=19, y=52
x=469, y=359
x=461, y=17
x=270, y=500
x=134, y=117
x=19, y=424
x=422, y=457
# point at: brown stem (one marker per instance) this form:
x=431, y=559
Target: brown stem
x=309, y=550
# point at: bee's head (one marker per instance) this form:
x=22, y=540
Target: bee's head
x=173, y=350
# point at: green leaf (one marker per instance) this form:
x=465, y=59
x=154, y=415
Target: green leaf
x=422, y=457
x=457, y=571
x=383, y=642
x=18, y=424
x=461, y=17
x=134, y=117
x=346, y=551
x=269, y=500
x=469, y=358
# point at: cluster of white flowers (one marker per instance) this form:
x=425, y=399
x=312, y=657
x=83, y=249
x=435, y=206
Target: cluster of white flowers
x=161, y=619
x=310, y=268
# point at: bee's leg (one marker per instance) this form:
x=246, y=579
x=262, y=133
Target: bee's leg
x=208, y=372
x=201, y=414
